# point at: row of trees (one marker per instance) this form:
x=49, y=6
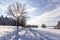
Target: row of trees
x=33, y=26
x=11, y=21
x=7, y=21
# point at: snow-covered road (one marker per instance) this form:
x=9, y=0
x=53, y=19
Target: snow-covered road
x=30, y=34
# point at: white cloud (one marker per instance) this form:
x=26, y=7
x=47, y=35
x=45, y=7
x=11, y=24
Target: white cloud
x=44, y=18
x=29, y=10
x=3, y=7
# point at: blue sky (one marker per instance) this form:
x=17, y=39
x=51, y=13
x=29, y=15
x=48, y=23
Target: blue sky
x=39, y=11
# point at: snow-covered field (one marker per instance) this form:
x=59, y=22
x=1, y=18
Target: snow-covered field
x=6, y=29
x=9, y=33
x=48, y=29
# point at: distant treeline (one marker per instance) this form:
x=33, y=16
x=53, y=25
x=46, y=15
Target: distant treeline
x=29, y=26
x=7, y=21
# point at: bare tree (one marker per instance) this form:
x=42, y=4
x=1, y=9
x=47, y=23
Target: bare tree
x=17, y=10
